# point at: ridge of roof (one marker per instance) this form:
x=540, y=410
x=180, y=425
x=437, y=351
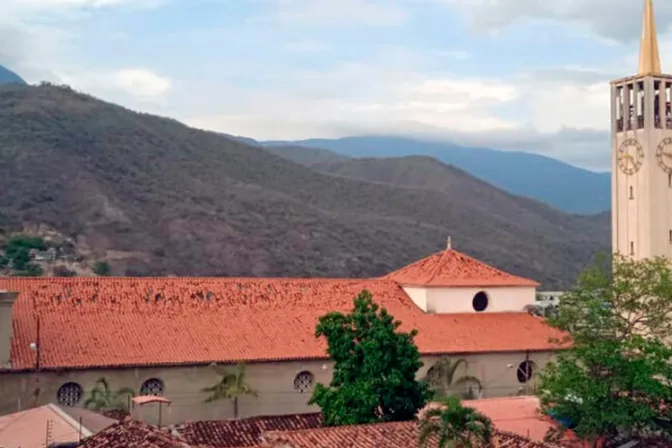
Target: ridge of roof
x=19, y=428
x=86, y=432
x=452, y=268
x=186, y=279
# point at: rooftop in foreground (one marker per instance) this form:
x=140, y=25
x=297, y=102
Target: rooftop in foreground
x=380, y=435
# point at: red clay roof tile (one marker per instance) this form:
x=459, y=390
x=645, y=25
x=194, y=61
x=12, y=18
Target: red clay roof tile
x=18, y=430
x=133, y=434
x=105, y=322
x=381, y=435
x=453, y=268
x=518, y=415
x=245, y=432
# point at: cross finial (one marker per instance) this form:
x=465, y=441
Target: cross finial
x=649, y=58
x=449, y=243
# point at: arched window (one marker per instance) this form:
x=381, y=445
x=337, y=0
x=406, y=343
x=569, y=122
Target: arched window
x=480, y=301
x=69, y=394
x=152, y=386
x=303, y=382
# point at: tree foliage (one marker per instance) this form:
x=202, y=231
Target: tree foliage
x=102, y=398
x=102, y=268
x=375, y=367
x=232, y=385
x=17, y=254
x=443, y=379
x=615, y=378
x=453, y=425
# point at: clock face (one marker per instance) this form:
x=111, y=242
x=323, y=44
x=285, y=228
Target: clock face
x=630, y=156
x=664, y=154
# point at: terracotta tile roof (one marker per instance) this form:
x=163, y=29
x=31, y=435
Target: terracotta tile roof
x=453, y=268
x=28, y=429
x=91, y=420
x=517, y=415
x=245, y=432
x=133, y=434
x=173, y=321
x=381, y=435
x=486, y=332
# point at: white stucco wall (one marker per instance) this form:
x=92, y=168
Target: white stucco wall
x=459, y=299
x=418, y=295
x=641, y=205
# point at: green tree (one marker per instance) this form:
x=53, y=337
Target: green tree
x=20, y=258
x=31, y=270
x=441, y=377
x=617, y=374
x=26, y=242
x=231, y=386
x=102, y=398
x=453, y=425
x=102, y=268
x=374, y=367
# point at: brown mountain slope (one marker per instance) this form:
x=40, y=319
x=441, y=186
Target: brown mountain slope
x=428, y=173
x=306, y=156
x=157, y=197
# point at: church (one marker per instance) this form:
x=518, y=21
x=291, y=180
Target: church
x=164, y=336
x=161, y=336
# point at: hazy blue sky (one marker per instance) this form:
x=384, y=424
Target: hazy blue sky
x=509, y=74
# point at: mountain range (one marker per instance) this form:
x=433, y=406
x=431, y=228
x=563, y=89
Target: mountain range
x=539, y=177
x=155, y=197
x=9, y=77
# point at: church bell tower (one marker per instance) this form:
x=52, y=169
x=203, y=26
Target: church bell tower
x=641, y=174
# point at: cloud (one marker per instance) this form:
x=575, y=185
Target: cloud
x=563, y=114
x=73, y=3
x=308, y=73
x=305, y=46
x=363, y=94
x=28, y=6
x=133, y=87
x=141, y=82
x=604, y=17
x=336, y=12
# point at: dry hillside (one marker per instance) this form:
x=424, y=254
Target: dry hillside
x=156, y=197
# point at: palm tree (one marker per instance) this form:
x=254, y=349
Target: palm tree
x=455, y=426
x=441, y=377
x=104, y=399
x=231, y=386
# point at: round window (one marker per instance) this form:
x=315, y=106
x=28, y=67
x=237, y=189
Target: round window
x=525, y=371
x=69, y=394
x=480, y=301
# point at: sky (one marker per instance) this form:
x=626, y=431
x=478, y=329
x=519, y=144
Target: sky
x=507, y=74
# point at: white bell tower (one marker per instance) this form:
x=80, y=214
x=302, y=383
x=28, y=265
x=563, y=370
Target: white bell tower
x=641, y=176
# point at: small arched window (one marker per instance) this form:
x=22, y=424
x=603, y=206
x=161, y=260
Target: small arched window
x=303, y=382
x=152, y=386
